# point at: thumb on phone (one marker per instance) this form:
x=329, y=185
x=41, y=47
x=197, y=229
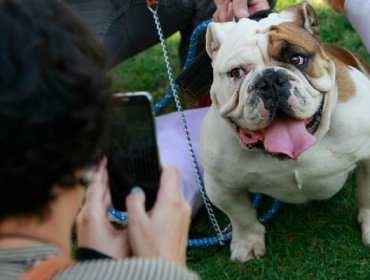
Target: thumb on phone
x=135, y=204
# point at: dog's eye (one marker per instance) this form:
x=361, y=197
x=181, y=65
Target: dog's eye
x=296, y=60
x=236, y=72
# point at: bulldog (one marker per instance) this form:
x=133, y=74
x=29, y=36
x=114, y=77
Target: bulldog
x=290, y=118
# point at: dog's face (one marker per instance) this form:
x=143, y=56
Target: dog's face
x=273, y=82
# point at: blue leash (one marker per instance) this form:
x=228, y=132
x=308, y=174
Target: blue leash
x=215, y=240
x=189, y=58
x=226, y=233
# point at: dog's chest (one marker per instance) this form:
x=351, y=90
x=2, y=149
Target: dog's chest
x=315, y=178
x=300, y=187
x=318, y=175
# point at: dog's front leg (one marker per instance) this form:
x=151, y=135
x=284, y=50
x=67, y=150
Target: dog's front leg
x=248, y=235
x=363, y=197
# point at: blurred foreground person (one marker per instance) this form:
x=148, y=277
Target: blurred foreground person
x=52, y=117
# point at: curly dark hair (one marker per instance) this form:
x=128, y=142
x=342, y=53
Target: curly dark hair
x=53, y=102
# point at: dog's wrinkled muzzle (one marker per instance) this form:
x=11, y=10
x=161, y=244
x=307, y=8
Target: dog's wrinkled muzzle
x=285, y=133
x=273, y=88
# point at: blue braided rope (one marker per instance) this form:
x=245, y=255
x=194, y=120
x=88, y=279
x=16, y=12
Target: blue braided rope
x=163, y=101
x=215, y=240
x=189, y=58
x=193, y=42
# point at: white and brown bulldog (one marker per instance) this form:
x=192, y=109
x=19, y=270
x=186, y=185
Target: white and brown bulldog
x=290, y=119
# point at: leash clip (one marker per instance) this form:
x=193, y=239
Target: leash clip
x=152, y=5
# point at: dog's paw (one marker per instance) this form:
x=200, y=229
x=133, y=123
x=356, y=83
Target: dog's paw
x=366, y=238
x=244, y=251
x=364, y=220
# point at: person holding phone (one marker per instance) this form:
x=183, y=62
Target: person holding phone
x=53, y=111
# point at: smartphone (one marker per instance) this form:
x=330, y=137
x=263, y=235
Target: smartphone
x=133, y=158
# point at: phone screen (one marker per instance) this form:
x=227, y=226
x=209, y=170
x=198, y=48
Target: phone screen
x=132, y=153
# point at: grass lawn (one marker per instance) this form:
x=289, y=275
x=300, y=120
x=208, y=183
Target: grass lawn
x=319, y=240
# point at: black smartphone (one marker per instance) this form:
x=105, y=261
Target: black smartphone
x=133, y=158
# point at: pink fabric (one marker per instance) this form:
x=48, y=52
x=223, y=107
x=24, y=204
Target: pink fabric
x=173, y=149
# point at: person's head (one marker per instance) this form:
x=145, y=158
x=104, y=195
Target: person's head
x=52, y=102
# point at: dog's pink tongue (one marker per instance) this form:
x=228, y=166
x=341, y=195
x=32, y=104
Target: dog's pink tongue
x=288, y=136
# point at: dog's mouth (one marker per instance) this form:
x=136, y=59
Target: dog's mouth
x=285, y=137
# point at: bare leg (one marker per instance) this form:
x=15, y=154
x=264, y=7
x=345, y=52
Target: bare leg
x=363, y=196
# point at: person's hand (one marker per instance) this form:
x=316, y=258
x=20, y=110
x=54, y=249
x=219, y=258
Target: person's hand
x=228, y=9
x=94, y=230
x=162, y=232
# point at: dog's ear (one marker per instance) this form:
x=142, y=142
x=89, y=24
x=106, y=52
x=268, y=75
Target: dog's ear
x=306, y=17
x=216, y=33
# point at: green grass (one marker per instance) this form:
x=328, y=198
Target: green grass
x=147, y=71
x=319, y=240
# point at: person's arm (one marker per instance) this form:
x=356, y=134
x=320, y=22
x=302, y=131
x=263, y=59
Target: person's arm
x=228, y=9
x=357, y=13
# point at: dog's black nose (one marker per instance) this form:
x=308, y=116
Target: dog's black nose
x=273, y=87
x=271, y=81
